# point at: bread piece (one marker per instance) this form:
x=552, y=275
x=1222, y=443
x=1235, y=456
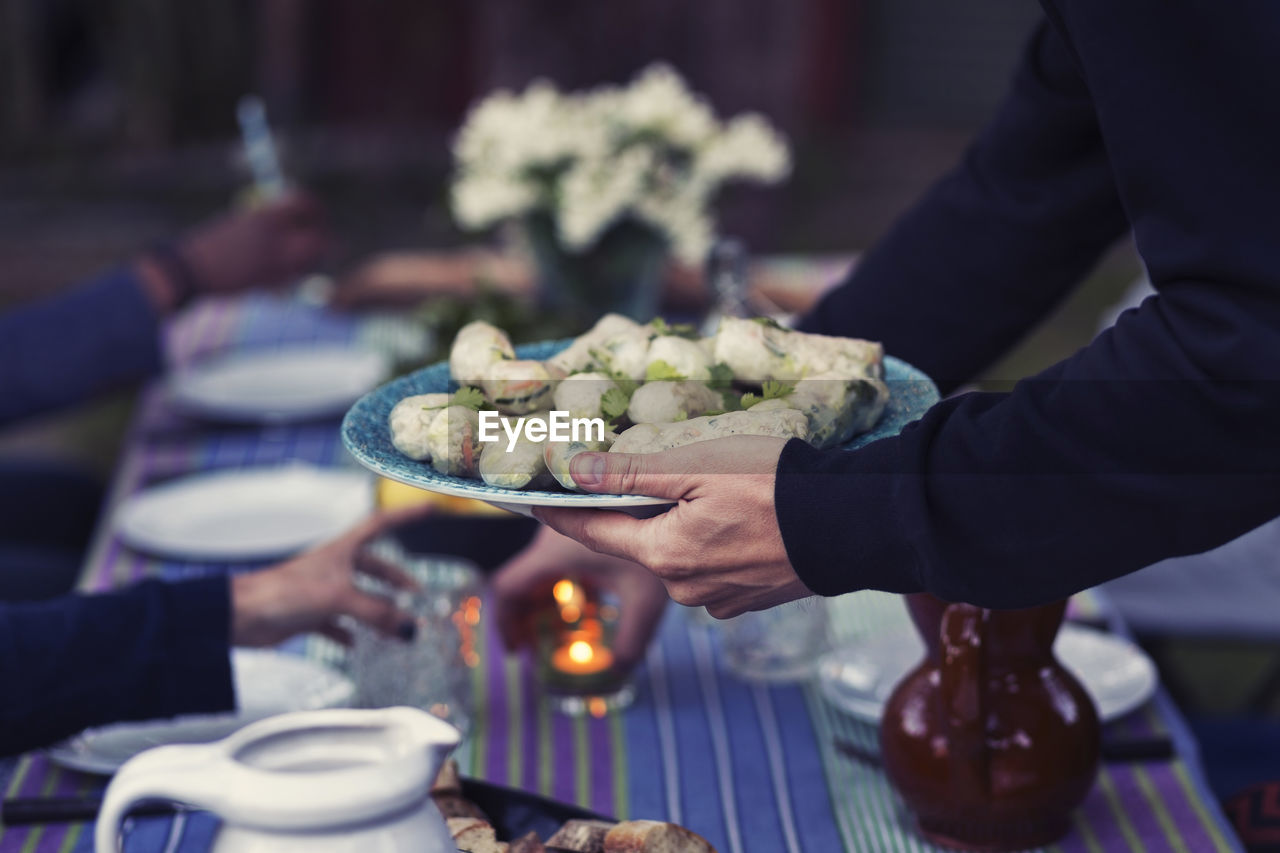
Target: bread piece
x=581, y=836
x=474, y=836
x=449, y=780
x=453, y=805
x=527, y=844
x=652, y=836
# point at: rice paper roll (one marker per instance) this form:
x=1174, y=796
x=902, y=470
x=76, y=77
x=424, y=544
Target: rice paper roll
x=518, y=387
x=665, y=402
x=454, y=441
x=515, y=466
x=578, y=356
x=557, y=454
x=757, y=352
x=837, y=408
x=581, y=393
x=409, y=420
x=477, y=347
x=654, y=438
x=687, y=358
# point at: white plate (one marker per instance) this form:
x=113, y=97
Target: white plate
x=857, y=677
x=267, y=683
x=251, y=514
x=288, y=384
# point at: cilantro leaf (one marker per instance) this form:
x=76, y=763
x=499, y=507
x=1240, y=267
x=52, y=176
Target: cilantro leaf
x=775, y=390
x=680, y=330
x=749, y=399
x=470, y=397
x=721, y=376
x=614, y=402
x=659, y=370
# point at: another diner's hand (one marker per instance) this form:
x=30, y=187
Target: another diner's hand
x=719, y=546
x=409, y=277
x=310, y=591
x=523, y=586
x=267, y=246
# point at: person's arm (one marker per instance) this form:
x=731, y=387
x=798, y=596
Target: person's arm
x=153, y=650
x=158, y=649
x=1158, y=439
x=998, y=241
x=72, y=346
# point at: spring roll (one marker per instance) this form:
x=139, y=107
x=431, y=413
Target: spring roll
x=409, y=420
x=517, y=465
x=517, y=387
x=837, y=408
x=454, y=441
x=580, y=394
x=478, y=346
x=654, y=438
x=556, y=455
x=687, y=358
x=757, y=352
x=665, y=402
x=578, y=355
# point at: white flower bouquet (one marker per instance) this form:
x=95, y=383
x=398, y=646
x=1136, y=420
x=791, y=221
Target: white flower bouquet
x=651, y=154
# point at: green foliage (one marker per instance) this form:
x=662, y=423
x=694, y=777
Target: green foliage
x=660, y=370
x=614, y=404
x=772, y=390
x=470, y=397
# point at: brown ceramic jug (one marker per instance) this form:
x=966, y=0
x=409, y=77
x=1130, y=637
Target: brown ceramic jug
x=989, y=740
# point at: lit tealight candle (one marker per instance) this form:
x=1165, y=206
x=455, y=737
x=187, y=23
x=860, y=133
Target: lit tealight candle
x=580, y=656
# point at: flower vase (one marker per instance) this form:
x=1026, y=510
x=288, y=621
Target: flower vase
x=622, y=272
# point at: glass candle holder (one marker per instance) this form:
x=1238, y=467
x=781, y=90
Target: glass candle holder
x=575, y=661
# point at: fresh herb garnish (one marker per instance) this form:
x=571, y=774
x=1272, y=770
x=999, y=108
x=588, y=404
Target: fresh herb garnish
x=659, y=371
x=721, y=376
x=470, y=397
x=613, y=404
x=662, y=328
x=772, y=390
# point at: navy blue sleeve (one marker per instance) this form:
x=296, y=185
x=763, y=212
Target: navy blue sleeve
x=1159, y=438
x=69, y=347
x=997, y=242
x=152, y=650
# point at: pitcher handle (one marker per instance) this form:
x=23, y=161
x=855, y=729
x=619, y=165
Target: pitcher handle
x=962, y=686
x=162, y=773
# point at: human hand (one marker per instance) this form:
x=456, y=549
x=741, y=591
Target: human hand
x=522, y=586
x=719, y=546
x=310, y=591
x=263, y=247
x=407, y=278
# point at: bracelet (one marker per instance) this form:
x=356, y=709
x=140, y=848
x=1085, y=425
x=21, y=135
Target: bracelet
x=182, y=279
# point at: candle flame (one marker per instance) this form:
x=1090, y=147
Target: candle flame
x=564, y=591
x=580, y=651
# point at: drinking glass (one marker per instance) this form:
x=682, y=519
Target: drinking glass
x=780, y=644
x=434, y=670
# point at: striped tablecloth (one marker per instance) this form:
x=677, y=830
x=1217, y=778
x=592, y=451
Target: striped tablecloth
x=749, y=767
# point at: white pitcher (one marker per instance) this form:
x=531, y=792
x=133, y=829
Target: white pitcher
x=327, y=781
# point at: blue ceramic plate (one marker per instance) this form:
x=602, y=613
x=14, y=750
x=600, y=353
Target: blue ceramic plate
x=366, y=435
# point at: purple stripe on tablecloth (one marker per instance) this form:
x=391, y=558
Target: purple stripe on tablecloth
x=37, y=773
x=564, y=761
x=531, y=740
x=498, y=712
x=69, y=784
x=600, y=754
x=1135, y=805
x=1174, y=796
